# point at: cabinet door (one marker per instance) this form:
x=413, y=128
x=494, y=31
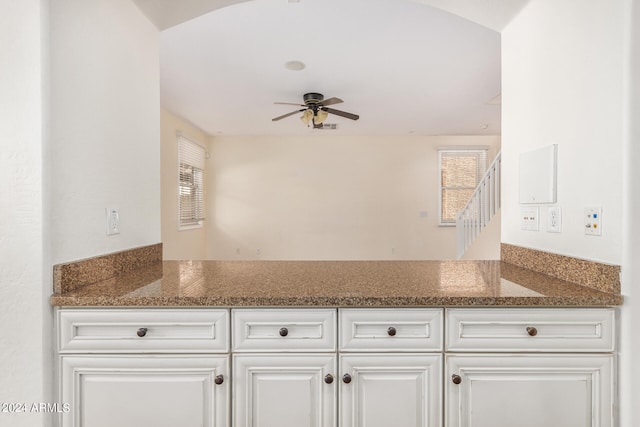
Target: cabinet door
x=135, y=391
x=505, y=390
x=399, y=390
x=284, y=390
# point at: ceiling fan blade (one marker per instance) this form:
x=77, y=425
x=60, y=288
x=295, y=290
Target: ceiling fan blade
x=289, y=103
x=287, y=115
x=331, y=101
x=341, y=113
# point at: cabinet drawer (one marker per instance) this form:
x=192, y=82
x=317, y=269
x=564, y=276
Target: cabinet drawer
x=143, y=331
x=407, y=329
x=531, y=330
x=284, y=330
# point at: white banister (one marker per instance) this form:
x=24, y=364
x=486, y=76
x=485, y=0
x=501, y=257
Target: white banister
x=481, y=207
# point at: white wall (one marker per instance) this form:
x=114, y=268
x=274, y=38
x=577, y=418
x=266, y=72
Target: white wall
x=329, y=197
x=25, y=274
x=630, y=378
x=567, y=74
x=101, y=98
x=105, y=127
x=186, y=244
x=562, y=84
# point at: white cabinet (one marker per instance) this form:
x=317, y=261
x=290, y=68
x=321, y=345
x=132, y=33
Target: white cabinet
x=286, y=373
x=390, y=367
x=284, y=367
x=290, y=390
x=143, y=367
x=386, y=329
x=530, y=368
x=573, y=330
x=134, y=391
x=329, y=367
x=400, y=390
x=142, y=331
x=530, y=390
x=284, y=330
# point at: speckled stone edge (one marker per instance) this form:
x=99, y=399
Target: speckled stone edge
x=595, y=275
x=74, y=275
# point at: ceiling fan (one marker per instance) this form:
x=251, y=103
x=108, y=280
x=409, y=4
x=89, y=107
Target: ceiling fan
x=315, y=109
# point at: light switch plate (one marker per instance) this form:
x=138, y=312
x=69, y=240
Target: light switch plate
x=530, y=218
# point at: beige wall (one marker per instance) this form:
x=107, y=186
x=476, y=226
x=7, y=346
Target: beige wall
x=186, y=244
x=328, y=197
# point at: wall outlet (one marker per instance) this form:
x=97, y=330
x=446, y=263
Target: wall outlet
x=593, y=220
x=554, y=219
x=113, y=221
x=530, y=218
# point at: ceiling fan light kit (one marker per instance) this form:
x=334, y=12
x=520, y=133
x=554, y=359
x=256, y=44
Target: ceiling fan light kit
x=315, y=109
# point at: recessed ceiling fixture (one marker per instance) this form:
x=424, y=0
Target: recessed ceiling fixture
x=484, y=126
x=294, y=65
x=315, y=109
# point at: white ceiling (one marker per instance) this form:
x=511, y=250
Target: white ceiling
x=403, y=66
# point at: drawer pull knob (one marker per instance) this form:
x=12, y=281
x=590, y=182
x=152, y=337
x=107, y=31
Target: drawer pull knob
x=346, y=378
x=219, y=379
x=532, y=331
x=283, y=332
x=328, y=378
x=456, y=379
x=142, y=332
x=391, y=331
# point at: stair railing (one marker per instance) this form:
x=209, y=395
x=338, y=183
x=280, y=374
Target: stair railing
x=481, y=207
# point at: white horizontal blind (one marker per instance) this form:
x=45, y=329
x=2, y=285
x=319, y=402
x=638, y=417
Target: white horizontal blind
x=191, y=202
x=460, y=172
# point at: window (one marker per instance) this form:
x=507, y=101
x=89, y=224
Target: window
x=190, y=184
x=460, y=172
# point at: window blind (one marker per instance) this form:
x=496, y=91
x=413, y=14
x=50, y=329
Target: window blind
x=191, y=202
x=460, y=173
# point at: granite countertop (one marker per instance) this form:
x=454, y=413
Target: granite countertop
x=334, y=284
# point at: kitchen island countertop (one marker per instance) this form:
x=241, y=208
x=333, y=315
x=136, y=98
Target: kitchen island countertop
x=334, y=284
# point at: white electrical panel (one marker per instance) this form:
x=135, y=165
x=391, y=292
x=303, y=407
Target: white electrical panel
x=538, y=170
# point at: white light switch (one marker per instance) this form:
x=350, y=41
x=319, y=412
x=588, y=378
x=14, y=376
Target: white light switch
x=113, y=221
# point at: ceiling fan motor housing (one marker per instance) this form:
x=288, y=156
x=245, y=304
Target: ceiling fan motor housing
x=312, y=98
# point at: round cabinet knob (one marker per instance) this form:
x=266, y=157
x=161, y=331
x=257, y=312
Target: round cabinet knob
x=328, y=378
x=346, y=378
x=456, y=379
x=391, y=331
x=219, y=379
x=283, y=332
x=532, y=331
x=142, y=332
